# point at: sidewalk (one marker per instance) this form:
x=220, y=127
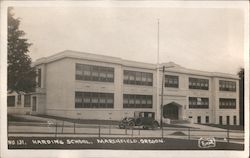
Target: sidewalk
x=202, y=127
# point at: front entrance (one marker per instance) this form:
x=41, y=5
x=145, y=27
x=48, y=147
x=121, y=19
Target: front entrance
x=171, y=111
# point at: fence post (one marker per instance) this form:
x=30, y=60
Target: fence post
x=188, y=133
x=56, y=130
x=74, y=128
x=228, y=134
x=62, y=126
x=126, y=130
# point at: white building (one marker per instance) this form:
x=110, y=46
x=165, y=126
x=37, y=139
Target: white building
x=87, y=86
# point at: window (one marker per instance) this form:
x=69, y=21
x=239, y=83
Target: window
x=94, y=100
x=207, y=119
x=235, y=120
x=27, y=99
x=220, y=120
x=198, y=119
x=39, y=77
x=228, y=120
x=137, y=78
x=19, y=99
x=34, y=103
x=11, y=101
x=227, y=86
x=171, y=81
x=137, y=101
x=196, y=83
x=227, y=103
x=198, y=103
x=94, y=73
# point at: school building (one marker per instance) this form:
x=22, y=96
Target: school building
x=89, y=86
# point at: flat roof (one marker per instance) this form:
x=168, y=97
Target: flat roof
x=170, y=66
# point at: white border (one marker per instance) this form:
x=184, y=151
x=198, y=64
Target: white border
x=118, y=153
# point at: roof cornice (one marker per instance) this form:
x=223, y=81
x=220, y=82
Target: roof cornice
x=175, y=68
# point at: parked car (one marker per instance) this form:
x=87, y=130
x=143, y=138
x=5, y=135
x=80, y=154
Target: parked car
x=144, y=119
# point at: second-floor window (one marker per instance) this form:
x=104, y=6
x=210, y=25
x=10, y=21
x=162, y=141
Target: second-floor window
x=197, y=83
x=171, y=81
x=227, y=85
x=94, y=73
x=138, y=78
x=198, y=103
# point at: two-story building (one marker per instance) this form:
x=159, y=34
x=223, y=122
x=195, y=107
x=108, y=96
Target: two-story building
x=88, y=86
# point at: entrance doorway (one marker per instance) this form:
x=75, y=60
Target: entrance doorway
x=171, y=111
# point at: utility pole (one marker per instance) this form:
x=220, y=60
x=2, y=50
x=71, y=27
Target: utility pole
x=162, y=89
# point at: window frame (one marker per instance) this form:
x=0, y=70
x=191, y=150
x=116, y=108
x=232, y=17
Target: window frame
x=133, y=101
x=169, y=78
x=195, y=83
x=10, y=102
x=193, y=103
x=93, y=73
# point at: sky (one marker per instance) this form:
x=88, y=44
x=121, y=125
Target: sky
x=207, y=39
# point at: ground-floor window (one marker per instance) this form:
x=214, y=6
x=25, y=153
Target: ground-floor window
x=34, y=103
x=11, y=101
x=198, y=119
x=137, y=101
x=19, y=99
x=235, y=120
x=228, y=120
x=220, y=120
x=27, y=99
x=207, y=119
x=94, y=100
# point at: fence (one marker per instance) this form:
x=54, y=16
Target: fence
x=98, y=130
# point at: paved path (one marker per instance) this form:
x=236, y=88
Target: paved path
x=202, y=127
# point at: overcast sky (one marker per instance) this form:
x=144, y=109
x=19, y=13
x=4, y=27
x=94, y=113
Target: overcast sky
x=197, y=38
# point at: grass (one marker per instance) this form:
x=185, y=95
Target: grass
x=102, y=122
x=12, y=118
x=230, y=127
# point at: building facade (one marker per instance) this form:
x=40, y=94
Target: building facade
x=88, y=86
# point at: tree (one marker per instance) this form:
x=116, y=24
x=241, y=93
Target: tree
x=21, y=76
x=241, y=95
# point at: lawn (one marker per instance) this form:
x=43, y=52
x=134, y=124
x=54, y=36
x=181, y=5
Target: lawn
x=230, y=127
x=102, y=122
x=12, y=118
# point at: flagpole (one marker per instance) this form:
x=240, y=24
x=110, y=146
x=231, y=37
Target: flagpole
x=158, y=109
x=158, y=41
